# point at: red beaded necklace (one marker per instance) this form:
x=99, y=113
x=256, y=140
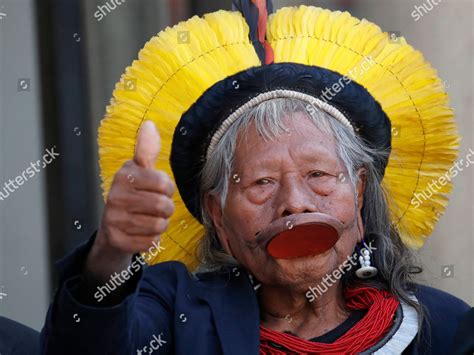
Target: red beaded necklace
x=381, y=307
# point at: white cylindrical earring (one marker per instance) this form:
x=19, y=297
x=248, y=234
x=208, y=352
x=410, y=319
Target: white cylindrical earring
x=366, y=271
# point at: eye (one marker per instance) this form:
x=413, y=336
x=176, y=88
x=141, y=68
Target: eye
x=316, y=174
x=263, y=181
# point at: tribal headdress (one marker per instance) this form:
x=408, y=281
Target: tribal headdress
x=194, y=79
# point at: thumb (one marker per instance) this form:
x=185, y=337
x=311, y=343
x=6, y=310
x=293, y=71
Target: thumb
x=148, y=145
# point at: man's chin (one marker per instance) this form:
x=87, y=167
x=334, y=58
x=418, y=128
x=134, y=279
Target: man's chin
x=294, y=272
x=303, y=272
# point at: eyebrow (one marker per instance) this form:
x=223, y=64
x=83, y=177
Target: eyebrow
x=313, y=156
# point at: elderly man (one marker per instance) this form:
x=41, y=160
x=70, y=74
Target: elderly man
x=280, y=203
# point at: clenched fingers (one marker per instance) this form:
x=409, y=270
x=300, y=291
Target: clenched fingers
x=142, y=179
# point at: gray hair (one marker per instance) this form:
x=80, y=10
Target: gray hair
x=392, y=258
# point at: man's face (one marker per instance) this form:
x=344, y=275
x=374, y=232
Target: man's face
x=293, y=173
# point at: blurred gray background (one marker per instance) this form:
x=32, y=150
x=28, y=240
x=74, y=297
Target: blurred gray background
x=58, y=66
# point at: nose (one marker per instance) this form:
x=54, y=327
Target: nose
x=295, y=196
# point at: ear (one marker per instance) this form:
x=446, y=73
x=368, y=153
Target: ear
x=361, y=187
x=360, y=201
x=213, y=207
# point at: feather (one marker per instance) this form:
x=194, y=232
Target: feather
x=170, y=75
x=405, y=85
x=179, y=64
x=255, y=13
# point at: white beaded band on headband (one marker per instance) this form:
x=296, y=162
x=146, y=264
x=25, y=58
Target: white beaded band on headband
x=275, y=94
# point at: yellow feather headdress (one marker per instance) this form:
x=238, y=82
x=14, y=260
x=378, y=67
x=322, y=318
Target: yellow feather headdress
x=178, y=65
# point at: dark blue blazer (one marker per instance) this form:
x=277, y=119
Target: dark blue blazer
x=17, y=339
x=171, y=311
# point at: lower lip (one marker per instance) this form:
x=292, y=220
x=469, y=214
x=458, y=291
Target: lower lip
x=300, y=235
x=303, y=240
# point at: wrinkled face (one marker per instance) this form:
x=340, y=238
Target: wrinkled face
x=293, y=173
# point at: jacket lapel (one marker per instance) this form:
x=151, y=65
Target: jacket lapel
x=234, y=306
